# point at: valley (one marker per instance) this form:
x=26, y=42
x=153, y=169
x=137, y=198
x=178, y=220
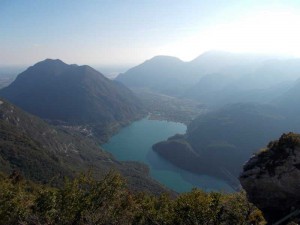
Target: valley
x=232, y=104
x=226, y=119
x=170, y=108
x=149, y=112
x=134, y=143
x=161, y=142
x=47, y=154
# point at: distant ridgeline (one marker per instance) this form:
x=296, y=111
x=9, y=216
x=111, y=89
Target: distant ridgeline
x=74, y=95
x=216, y=78
x=216, y=143
x=251, y=99
x=220, y=141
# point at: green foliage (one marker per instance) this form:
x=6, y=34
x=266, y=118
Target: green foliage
x=16, y=199
x=153, y=210
x=85, y=200
x=238, y=210
x=276, y=153
x=197, y=207
x=214, y=208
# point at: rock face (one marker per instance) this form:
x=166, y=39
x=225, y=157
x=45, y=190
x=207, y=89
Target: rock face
x=271, y=178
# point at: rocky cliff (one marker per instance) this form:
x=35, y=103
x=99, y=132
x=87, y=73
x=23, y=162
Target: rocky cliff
x=271, y=179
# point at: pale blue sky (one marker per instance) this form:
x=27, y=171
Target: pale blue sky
x=111, y=32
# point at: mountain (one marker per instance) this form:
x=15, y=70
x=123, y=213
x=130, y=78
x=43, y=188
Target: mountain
x=217, y=90
x=42, y=152
x=219, y=142
x=216, y=78
x=226, y=62
x=288, y=104
x=260, y=82
x=271, y=179
x=164, y=74
x=170, y=75
x=289, y=101
x=73, y=95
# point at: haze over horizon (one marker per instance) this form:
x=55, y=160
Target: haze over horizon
x=125, y=33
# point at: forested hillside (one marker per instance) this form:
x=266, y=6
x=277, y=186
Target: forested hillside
x=44, y=153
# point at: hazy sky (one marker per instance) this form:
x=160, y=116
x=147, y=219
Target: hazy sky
x=111, y=32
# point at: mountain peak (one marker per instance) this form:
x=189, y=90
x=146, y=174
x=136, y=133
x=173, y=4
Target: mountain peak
x=47, y=66
x=72, y=94
x=51, y=62
x=164, y=59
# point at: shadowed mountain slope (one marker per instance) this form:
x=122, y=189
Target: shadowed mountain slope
x=42, y=152
x=73, y=95
x=160, y=73
x=219, y=142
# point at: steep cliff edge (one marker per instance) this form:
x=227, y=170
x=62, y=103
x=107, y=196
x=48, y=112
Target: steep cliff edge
x=271, y=178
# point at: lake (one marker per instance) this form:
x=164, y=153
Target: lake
x=135, y=141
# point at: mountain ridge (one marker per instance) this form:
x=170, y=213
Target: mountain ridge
x=216, y=78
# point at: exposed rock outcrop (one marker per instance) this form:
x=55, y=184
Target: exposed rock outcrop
x=271, y=178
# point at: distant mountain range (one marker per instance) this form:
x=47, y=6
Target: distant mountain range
x=289, y=102
x=161, y=73
x=216, y=78
x=220, y=141
x=74, y=95
x=250, y=99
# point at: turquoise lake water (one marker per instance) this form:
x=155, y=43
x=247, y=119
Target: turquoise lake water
x=134, y=143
